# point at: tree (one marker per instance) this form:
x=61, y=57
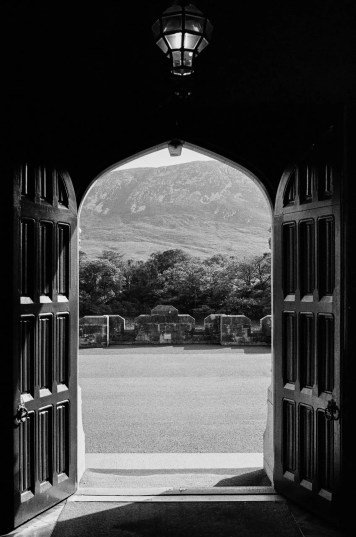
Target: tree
x=99, y=282
x=250, y=288
x=187, y=283
x=168, y=259
x=217, y=259
x=220, y=284
x=142, y=277
x=113, y=256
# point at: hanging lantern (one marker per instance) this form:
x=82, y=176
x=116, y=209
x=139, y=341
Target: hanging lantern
x=182, y=32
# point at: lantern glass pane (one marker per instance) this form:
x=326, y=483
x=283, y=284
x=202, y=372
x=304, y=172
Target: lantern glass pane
x=172, y=24
x=177, y=58
x=194, y=24
x=188, y=58
x=156, y=29
x=203, y=43
x=191, y=41
x=208, y=30
x=174, y=40
x=162, y=45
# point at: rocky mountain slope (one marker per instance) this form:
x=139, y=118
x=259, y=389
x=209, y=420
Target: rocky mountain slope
x=203, y=207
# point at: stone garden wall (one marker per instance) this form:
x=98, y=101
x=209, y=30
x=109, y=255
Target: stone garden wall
x=101, y=330
x=94, y=331
x=237, y=330
x=165, y=325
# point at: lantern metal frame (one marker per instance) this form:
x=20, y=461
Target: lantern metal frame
x=182, y=32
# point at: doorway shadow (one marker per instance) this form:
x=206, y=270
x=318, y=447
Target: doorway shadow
x=257, y=478
x=176, y=519
x=173, y=479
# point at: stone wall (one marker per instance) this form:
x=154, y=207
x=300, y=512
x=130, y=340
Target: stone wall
x=235, y=329
x=94, y=331
x=101, y=330
x=166, y=325
x=225, y=329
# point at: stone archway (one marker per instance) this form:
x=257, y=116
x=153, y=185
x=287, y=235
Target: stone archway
x=268, y=435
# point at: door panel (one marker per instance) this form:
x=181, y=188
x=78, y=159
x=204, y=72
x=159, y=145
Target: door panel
x=45, y=340
x=307, y=329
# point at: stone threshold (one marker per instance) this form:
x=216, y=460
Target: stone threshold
x=178, y=498
x=173, y=461
x=171, y=491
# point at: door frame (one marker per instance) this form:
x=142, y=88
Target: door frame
x=257, y=177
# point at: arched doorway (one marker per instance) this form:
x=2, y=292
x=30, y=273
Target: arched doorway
x=103, y=205
x=307, y=239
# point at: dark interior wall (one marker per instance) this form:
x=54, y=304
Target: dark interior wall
x=85, y=86
x=348, y=365
x=254, y=137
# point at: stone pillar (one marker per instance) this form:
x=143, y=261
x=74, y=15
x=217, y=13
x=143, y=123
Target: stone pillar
x=80, y=438
x=212, y=326
x=116, y=328
x=266, y=325
x=268, y=451
x=266, y=328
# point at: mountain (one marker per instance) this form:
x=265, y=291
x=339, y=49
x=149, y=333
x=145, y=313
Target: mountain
x=202, y=207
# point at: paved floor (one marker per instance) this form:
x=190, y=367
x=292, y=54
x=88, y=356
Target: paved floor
x=44, y=524
x=173, y=461
x=309, y=525
x=174, y=398
x=160, y=472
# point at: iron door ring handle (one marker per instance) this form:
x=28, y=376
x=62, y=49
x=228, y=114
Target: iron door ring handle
x=332, y=411
x=21, y=414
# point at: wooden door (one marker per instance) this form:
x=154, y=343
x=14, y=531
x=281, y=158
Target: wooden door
x=307, y=329
x=45, y=339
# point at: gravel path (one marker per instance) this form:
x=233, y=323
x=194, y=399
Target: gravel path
x=176, y=399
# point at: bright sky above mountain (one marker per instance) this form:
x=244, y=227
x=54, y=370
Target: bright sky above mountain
x=163, y=158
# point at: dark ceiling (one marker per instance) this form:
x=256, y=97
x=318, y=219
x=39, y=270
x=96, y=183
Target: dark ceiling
x=86, y=82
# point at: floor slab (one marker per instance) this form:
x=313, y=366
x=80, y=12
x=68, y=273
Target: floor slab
x=156, y=461
x=167, y=471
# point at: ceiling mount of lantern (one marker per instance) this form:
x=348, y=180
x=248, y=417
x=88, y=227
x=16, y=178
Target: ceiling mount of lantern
x=182, y=32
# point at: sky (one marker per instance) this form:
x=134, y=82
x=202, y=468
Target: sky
x=163, y=158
